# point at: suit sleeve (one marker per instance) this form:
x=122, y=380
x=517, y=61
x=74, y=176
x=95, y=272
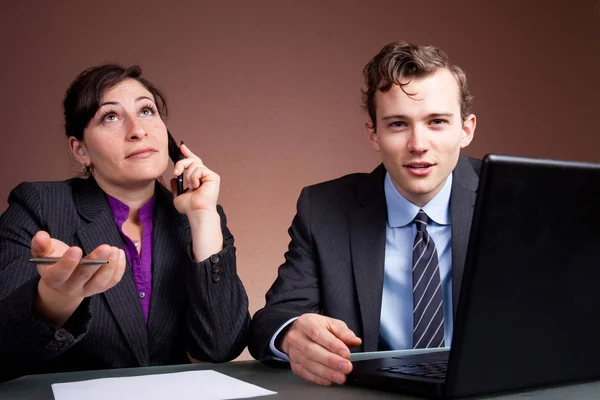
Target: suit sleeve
x=218, y=318
x=27, y=341
x=296, y=289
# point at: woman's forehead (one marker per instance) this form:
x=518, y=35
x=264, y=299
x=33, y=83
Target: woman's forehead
x=128, y=88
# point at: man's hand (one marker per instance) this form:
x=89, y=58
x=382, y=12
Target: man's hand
x=318, y=348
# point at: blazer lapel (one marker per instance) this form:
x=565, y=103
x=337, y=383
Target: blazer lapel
x=367, y=244
x=122, y=299
x=168, y=227
x=462, y=201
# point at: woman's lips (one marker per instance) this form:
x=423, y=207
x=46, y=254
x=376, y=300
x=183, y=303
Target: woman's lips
x=142, y=153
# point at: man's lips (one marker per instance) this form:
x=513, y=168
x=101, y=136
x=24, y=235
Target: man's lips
x=420, y=165
x=419, y=168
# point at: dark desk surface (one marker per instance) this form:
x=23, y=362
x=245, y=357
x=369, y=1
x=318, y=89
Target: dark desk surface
x=282, y=381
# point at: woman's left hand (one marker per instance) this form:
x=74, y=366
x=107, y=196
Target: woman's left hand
x=202, y=185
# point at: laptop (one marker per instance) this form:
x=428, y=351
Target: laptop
x=529, y=307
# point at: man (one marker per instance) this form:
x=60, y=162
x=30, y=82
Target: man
x=375, y=260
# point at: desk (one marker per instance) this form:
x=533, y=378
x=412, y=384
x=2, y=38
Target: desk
x=282, y=381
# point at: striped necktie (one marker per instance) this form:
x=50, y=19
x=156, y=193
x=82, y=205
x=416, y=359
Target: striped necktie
x=428, y=313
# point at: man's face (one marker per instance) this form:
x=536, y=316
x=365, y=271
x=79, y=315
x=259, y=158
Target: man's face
x=419, y=137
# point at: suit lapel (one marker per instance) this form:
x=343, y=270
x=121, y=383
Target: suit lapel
x=367, y=244
x=122, y=299
x=462, y=201
x=168, y=226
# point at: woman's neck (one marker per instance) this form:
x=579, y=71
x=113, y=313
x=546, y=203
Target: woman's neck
x=133, y=197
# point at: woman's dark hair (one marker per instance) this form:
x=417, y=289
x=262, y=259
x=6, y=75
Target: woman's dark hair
x=83, y=97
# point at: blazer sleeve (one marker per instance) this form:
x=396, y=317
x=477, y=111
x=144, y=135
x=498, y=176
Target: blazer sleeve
x=27, y=341
x=218, y=318
x=296, y=290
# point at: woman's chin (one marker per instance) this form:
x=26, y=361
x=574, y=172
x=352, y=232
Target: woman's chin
x=138, y=181
x=146, y=175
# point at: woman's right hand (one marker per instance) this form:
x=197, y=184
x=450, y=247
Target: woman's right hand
x=64, y=285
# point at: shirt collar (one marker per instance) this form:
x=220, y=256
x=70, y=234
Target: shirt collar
x=120, y=210
x=401, y=212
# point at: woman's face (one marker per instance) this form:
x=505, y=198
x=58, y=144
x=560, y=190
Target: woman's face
x=126, y=141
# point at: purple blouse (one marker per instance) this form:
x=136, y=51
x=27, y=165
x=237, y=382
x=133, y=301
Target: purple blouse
x=141, y=264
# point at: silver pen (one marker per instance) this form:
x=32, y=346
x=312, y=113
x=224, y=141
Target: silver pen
x=53, y=260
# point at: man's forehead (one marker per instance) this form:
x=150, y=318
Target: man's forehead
x=435, y=90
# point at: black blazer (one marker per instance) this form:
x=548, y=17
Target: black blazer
x=335, y=261
x=197, y=308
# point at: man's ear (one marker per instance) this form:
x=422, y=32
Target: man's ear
x=79, y=151
x=468, y=131
x=372, y=135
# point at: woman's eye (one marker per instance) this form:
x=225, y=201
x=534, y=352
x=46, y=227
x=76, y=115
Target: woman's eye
x=109, y=117
x=148, y=111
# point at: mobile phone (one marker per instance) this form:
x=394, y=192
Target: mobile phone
x=176, y=155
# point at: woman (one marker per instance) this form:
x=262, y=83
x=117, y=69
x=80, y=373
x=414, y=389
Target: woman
x=170, y=289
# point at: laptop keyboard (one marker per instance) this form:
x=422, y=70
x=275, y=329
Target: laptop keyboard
x=434, y=369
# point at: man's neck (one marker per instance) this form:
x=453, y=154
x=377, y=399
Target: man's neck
x=419, y=200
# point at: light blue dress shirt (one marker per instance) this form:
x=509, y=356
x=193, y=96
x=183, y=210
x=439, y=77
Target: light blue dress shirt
x=396, y=326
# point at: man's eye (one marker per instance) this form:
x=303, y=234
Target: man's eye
x=438, y=121
x=398, y=124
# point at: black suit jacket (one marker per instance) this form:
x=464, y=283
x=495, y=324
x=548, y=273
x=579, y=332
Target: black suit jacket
x=335, y=261
x=197, y=308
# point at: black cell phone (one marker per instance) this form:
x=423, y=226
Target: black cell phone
x=176, y=155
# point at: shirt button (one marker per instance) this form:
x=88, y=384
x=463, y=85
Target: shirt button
x=142, y=295
x=214, y=259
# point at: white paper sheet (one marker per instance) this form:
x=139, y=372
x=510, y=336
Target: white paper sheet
x=205, y=385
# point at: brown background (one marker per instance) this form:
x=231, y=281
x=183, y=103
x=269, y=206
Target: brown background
x=268, y=92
